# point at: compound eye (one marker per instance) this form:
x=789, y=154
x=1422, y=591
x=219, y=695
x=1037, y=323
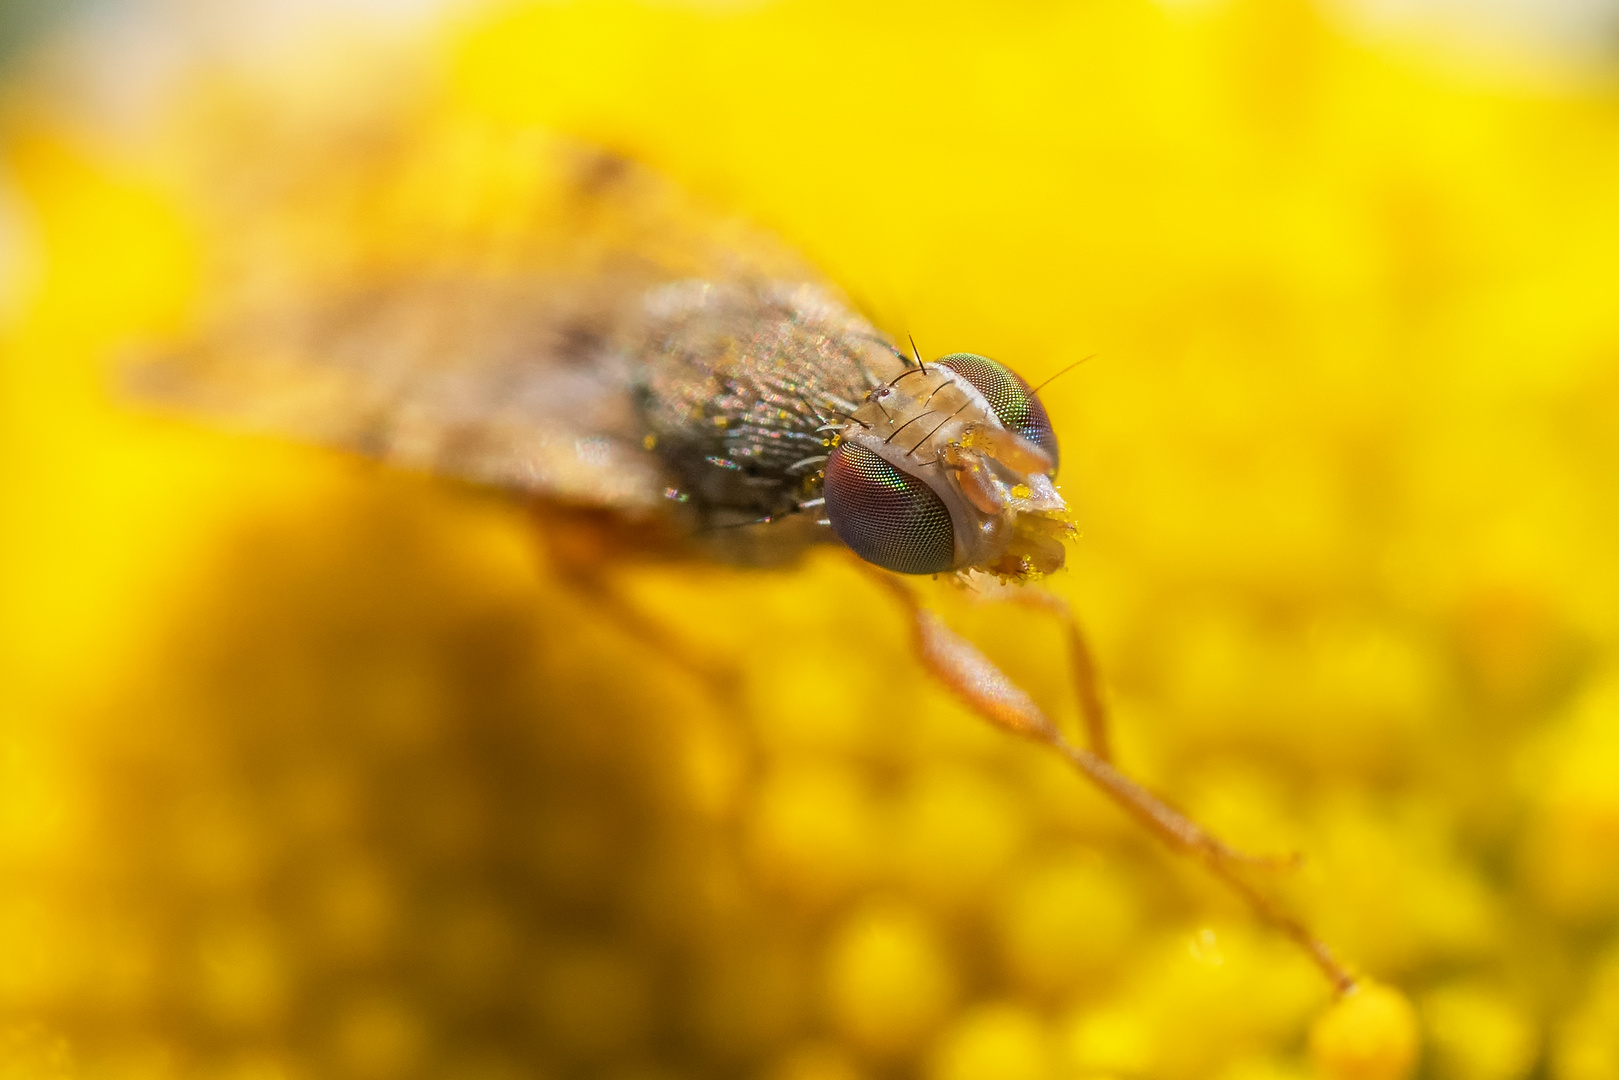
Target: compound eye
x=887, y=516
x=1012, y=400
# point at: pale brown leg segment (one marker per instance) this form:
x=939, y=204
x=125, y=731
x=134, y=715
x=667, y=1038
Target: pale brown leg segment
x=1082, y=666
x=582, y=559
x=1093, y=709
x=721, y=678
x=985, y=688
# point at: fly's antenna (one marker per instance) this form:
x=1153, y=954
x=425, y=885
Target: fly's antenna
x=1063, y=372
x=916, y=352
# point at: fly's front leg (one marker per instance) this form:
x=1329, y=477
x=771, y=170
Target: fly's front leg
x=1081, y=661
x=1093, y=709
x=972, y=677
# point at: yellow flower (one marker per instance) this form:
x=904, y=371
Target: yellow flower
x=308, y=768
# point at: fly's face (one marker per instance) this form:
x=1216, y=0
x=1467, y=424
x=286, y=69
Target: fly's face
x=949, y=467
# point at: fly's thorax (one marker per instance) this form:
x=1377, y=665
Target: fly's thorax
x=928, y=477
x=737, y=385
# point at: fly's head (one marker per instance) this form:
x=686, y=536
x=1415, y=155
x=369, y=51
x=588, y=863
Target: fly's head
x=949, y=468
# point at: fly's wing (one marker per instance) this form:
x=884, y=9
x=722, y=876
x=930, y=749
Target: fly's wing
x=444, y=295
x=504, y=382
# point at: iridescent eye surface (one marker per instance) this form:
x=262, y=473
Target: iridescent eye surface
x=1013, y=401
x=887, y=516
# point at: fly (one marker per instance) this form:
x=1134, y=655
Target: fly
x=651, y=378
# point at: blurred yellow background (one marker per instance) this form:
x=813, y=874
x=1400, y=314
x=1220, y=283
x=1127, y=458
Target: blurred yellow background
x=310, y=769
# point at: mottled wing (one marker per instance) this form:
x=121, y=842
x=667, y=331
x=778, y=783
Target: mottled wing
x=443, y=295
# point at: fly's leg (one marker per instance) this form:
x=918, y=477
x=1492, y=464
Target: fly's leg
x=582, y=554
x=721, y=678
x=1081, y=662
x=986, y=689
x=1181, y=832
x=1093, y=709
